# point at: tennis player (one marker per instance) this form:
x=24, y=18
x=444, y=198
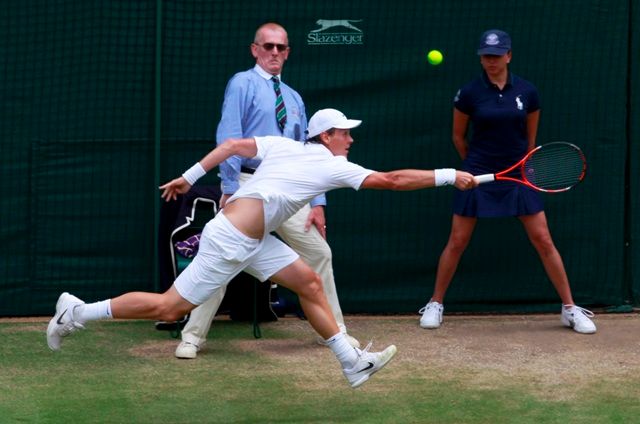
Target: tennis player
x=238, y=238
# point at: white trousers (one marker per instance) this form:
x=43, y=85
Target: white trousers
x=311, y=247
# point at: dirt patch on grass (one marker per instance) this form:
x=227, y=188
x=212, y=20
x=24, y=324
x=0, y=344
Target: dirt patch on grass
x=535, y=349
x=483, y=351
x=155, y=349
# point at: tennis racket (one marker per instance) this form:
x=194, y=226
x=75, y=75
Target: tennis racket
x=551, y=168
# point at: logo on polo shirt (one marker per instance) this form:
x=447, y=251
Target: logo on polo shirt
x=519, y=104
x=336, y=32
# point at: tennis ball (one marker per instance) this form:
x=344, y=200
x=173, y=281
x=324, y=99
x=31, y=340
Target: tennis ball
x=434, y=57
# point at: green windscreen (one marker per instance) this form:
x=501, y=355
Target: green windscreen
x=90, y=112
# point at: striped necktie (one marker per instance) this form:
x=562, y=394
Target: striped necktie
x=281, y=110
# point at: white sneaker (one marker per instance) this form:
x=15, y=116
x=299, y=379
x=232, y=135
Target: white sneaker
x=186, y=350
x=62, y=324
x=578, y=319
x=368, y=364
x=351, y=340
x=431, y=315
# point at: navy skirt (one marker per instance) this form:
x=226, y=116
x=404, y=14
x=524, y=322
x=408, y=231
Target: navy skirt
x=497, y=199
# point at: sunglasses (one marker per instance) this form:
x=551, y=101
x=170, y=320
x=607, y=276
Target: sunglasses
x=269, y=46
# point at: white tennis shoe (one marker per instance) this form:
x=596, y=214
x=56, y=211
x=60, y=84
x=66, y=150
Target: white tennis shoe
x=578, y=318
x=187, y=350
x=62, y=324
x=431, y=315
x=368, y=364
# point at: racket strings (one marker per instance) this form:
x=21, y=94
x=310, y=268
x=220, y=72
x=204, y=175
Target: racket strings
x=555, y=166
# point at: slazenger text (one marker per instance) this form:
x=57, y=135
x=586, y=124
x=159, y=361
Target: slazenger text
x=334, y=38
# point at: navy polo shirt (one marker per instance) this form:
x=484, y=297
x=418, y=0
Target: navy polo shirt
x=498, y=121
x=498, y=139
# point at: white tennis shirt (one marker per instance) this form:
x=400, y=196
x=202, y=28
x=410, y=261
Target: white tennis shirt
x=292, y=173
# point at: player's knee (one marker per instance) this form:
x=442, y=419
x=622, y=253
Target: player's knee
x=313, y=288
x=169, y=312
x=167, y=315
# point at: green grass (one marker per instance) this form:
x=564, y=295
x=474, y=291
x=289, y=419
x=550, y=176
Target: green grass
x=125, y=372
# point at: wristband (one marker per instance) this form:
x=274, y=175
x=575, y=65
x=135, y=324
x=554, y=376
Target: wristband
x=194, y=173
x=445, y=176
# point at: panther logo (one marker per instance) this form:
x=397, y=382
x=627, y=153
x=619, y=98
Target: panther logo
x=328, y=23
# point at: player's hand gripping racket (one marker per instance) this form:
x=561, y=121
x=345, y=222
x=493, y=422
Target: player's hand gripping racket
x=552, y=168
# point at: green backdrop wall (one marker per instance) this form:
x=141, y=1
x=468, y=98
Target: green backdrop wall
x=100, y=101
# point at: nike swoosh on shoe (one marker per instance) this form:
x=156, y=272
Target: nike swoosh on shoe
x=59, y=321
x=368, y=367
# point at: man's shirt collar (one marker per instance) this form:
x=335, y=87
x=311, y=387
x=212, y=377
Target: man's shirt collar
x=264, y=74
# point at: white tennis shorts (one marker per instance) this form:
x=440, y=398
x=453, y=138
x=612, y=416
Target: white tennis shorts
x=224, y=252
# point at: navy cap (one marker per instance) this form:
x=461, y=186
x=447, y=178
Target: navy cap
x=494, y=42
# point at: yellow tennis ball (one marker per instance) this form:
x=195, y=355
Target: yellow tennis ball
x=434, y=57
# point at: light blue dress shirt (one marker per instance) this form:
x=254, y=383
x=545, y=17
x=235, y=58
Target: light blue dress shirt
x=248, y=110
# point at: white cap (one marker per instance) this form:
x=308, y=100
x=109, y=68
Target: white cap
x=325, y=119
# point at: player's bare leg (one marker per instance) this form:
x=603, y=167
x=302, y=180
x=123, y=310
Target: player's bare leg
x=72, y=313
x=357, y=365
x=301, y=279
x=168, y=306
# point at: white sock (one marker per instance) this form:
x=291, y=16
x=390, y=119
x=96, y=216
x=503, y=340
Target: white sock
x=92, y=311
x=346, y=354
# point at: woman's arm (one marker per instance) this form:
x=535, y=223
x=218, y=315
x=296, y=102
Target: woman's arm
x=532, y=128
x=459, y=133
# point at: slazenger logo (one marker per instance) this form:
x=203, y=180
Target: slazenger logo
x=324, y=34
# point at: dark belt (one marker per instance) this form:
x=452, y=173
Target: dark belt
x=247, y=170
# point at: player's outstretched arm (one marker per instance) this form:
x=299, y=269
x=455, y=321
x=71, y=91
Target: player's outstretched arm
x=242, y=146
x=245, y=147
x=415, y=179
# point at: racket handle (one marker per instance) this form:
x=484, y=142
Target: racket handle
x=485, y=178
